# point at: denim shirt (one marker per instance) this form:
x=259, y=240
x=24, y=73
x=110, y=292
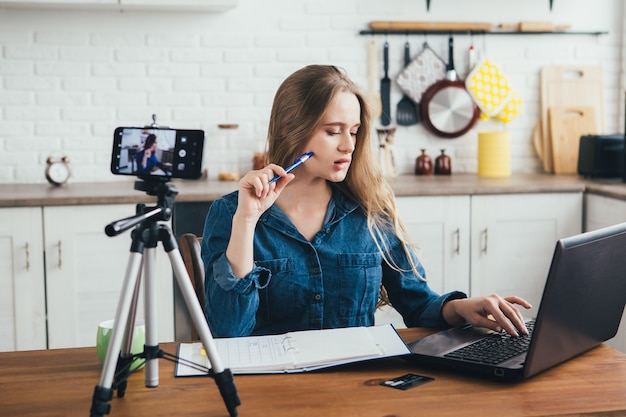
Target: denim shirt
x=331, y=281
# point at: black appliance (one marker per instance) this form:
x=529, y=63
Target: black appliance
x=601, y=156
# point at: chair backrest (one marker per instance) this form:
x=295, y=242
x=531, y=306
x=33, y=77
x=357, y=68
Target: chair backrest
x=190, y=251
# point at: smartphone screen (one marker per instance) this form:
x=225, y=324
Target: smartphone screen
x=157, y=152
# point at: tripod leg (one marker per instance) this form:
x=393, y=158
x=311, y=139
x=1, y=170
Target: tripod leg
x=103, y=392
x=150, y=314
x=223, y=377
x=126, y=355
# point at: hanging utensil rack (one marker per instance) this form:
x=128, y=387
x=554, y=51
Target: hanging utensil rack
x=550, y=2
x=475, y=32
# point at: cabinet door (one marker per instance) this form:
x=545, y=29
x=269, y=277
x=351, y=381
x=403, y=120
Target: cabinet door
x=85, y=270
x=22, y=284
x=57, y=3
x=513, y=240
x=180, y=5
x=440, y=225
x=601, y=211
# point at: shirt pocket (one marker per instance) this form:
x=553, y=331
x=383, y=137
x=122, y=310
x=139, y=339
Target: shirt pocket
x=360, y=276
x=282, y=296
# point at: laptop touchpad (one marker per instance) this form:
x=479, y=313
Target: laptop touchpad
x=441, y=342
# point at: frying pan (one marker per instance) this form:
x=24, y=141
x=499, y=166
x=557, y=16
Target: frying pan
x=447, y=109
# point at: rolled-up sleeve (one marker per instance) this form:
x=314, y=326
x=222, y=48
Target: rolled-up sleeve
x=231, y=302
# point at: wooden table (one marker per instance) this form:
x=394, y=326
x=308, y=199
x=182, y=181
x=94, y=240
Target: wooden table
x=61, y=382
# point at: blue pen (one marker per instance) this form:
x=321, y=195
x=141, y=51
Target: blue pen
x=299, y=161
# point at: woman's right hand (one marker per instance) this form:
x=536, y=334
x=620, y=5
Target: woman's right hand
x=257, y=194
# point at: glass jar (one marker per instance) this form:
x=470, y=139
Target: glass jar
x=423, y=164
x=443, y=164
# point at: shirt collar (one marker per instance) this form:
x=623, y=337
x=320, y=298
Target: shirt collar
x=338, y=207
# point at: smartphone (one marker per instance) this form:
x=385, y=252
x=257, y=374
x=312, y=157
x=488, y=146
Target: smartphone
x=149, y=152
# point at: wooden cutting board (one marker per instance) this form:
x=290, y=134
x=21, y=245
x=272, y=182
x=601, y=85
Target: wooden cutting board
x=410, y=25
x=571, y=86
x=567, y=125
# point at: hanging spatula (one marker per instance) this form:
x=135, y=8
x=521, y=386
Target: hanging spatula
x=373, y=93
x=406, y=111
x=385, y=89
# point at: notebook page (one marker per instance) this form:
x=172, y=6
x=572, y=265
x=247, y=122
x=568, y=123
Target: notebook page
x=324, y=347
x=241, y=354
x=256, y=352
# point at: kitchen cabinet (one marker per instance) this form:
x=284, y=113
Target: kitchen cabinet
x=513, y=240
x=60, y=276
x=22, y=286
x=180, y=5
x=440, y=226
x=602, y=211
x=155, y=5
x=85, y=270
x=484, y=244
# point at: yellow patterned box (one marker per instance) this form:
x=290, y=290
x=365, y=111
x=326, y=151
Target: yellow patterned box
x=489, y=88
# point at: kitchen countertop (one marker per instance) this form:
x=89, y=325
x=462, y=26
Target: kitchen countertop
x=120, y=192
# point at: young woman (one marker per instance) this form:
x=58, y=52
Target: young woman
x=146, y=159
x=317, y=248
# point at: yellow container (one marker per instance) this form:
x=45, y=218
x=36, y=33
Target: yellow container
x=494, y=154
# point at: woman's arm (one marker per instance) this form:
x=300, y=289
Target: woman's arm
x=256, y=195
x=232, y=280
x=231, y=302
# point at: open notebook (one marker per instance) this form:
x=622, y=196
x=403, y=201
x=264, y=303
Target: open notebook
x=299, y=351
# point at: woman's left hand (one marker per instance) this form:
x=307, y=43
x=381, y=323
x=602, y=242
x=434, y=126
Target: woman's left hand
x=493, y=312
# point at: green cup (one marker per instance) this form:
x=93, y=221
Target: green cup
x=105, y=329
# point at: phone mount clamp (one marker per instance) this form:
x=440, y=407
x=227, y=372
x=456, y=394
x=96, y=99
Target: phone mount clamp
x=154, y=124
x=119, y=357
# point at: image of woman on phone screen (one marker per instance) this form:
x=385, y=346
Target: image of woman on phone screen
x=146, y=159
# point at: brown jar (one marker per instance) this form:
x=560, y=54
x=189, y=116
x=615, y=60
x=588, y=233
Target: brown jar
x=423, y=164
x=443, y=164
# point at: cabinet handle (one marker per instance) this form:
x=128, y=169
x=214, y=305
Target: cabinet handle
x=27, y=252
x=59, y=249
x=457, y=238
x=485, y=237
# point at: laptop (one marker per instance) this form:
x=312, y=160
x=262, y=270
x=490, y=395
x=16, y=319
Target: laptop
x=581, y=307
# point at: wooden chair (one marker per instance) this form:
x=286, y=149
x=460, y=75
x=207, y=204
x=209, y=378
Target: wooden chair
x=190, y=251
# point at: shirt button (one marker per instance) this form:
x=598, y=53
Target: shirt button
x=318, y=297
x=316, y=270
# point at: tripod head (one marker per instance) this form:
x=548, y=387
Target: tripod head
x=162, y=211
x=160, y=187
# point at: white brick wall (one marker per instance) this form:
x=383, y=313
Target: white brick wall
x=68, y=78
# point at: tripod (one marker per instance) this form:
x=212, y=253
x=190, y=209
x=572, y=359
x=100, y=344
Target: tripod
x=119, y=355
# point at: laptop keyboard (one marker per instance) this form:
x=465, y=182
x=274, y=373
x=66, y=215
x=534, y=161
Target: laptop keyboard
x=494, y=349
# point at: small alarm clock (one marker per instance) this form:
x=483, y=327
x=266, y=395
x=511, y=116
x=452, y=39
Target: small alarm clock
x=58, y=171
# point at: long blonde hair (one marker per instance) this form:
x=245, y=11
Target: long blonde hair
x=299, y=105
